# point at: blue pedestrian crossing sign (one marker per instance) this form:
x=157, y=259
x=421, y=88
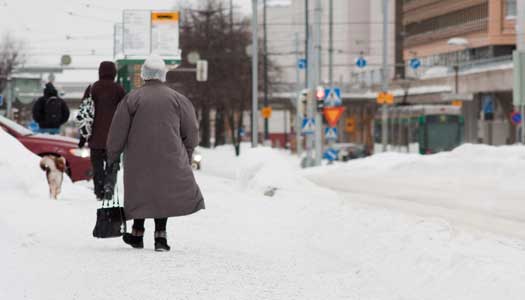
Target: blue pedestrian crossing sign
x=308, y=126
x=330, y=154
x=415, y=63
x=330, y=133
x=361, y=62
x=333, y=97
x=301, y=63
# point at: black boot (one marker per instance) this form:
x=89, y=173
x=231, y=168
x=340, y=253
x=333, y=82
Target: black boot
x=135, y=239
x=161, y=243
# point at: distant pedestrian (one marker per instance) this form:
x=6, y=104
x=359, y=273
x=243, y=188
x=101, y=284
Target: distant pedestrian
x=50, y=111
x=106, y=94
x=157, y=130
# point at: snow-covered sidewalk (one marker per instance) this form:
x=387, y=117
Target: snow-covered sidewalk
x=306, y=242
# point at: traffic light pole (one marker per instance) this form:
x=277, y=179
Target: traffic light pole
x=299, y=105
x=384, y=111
x=520, y=32
x=317, y=78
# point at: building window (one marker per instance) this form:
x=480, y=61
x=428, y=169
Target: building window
x=510, y=8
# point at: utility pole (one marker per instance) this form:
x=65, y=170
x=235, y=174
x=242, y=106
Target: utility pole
x=520, y=32
x=255, y=111
x=331, y=44
x=265, y=69
x=306, y=37
x=309, y=107
x=299, y=113
x=317, y=80
x=384, y=114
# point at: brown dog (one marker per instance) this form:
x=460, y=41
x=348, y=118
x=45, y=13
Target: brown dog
x=54, y=168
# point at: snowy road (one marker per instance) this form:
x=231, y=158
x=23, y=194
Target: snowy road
x=306, y=242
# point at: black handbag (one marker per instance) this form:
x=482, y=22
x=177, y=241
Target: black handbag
x=111, y=221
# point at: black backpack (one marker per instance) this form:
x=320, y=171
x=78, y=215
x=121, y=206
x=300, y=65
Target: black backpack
x=53, y=112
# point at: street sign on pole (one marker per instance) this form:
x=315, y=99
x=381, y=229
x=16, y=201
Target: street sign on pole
x=415, y=63
x=333, y=114
x=301, y=64
x=385, y=98
x=333, y=97
x=330, y=133
x=330, y=154
x=266, y=112
x=361, y=62
x=350, y=124
x=202, y=70
x=516, y=118
x=308, y=126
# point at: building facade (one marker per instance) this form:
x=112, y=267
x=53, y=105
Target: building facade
x=480, y=64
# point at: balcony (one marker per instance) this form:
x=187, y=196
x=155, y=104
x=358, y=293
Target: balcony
x=480, y=25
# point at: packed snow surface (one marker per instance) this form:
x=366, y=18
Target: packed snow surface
x=327, y=233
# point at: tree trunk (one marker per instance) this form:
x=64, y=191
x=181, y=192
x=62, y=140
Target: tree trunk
x=220, y=131
x=205, y=126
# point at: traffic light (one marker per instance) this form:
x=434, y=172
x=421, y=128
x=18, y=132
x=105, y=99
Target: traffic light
x=320, y=95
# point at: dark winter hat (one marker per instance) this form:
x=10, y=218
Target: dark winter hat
x=50, y=91
x=107, y=70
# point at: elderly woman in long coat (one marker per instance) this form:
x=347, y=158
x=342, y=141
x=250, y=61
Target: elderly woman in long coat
x=157, y=129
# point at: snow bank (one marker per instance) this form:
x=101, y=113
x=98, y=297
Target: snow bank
x=20, y=174
x=482, y=181
x=19, y=169
x=256, y=168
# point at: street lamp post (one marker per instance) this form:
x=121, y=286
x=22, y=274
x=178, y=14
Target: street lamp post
x=463, y=43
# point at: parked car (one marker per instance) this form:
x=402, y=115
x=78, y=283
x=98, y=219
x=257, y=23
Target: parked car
x=348, y=151
x=78, y=162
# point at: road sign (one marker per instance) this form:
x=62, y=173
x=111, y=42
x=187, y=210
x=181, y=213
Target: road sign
x=301, y=64
x=457, y=103
x=146, y=31
x=1, y=100
x=266, y=112
x=415, y=63
x=330, y=154
x=333, y=97
x=333, y=114
x=488, y=107
x=385, y=98
x=516, y=118
x=350, y=124
x=330, y=133
x=202, y=70
x=361, y=62
x=308, y=126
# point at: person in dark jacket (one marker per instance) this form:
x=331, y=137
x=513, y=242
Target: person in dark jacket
x=157, y=129
x=106, y=95
x=50, y=111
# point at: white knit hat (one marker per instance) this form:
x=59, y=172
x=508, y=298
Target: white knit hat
x=154, y=68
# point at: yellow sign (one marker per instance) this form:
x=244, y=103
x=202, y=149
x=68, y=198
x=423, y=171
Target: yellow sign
x=169, y=16
x=350, y=125
x=385, y=98
x=457, y=103
x=266, y=112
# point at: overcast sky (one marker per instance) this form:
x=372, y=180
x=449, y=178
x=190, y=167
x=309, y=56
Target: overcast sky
x=51, y=28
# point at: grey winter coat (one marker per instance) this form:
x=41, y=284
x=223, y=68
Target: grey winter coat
x=157, y=129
